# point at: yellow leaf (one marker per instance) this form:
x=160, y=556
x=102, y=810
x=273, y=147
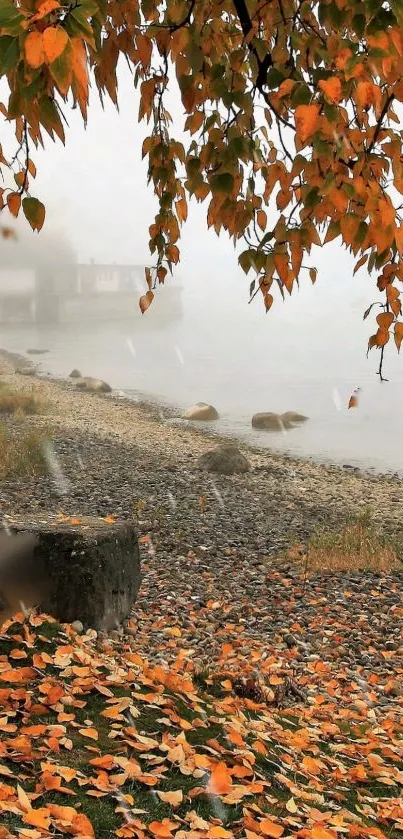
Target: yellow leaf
x=55, y=40
x=23, y=799
x=306, y=121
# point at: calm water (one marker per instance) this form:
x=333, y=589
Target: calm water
x=300, y=358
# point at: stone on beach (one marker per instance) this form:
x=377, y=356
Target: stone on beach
x=225, y=460
x=26, y=371
x=93, y=385
x=83, y=569
x=75, y=374
x=201, y=411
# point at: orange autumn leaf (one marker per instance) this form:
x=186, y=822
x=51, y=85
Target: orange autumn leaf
x=332, y=89
x=319, y=832
x=174, y=798
x=65, y=814
x=163, y=828
x=34, y=50
x=398, y=334
x=19, y=675
x=220, y=780
x=38, y=818
x=314, y=767
x=44, y=9
x=81, y=826
x=55, y=40
x=270, y=828
x=89, y=732
x=306, y=120
x=14, y=203
x=382, y=336
x=145, y=301
x=385, y=319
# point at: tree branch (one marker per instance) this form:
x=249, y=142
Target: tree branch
x=384, y=111
x=246, y=24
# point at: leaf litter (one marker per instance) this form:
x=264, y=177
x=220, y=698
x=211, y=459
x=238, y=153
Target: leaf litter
x=100, y=738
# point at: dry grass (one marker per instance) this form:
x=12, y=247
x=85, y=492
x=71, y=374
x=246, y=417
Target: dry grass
x=359, y=546
x=22, y=453
x=12, y=401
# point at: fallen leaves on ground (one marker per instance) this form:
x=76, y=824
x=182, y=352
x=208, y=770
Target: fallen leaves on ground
x=96, y=741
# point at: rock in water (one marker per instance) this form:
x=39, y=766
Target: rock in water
x=33, y=351
x=226, y=460
x=92, y=385
x=75, y=374
x=269, y=421
x=201, y=411
x=85, y=569
x=277, y=422
x=291, y=417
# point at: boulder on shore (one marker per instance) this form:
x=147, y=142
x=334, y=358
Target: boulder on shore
x=75, y=374
x=92, y=385
x=201, y=411
x=26, y=371
x=277, y=422
x=76, y=570
x=225, y=460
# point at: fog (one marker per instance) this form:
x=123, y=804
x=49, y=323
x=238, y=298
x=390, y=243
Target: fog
x=307, y=354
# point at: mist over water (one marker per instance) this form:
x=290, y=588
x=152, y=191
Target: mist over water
x=306, y=355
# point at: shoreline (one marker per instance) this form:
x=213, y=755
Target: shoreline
x=170, y=444
x=165, y=413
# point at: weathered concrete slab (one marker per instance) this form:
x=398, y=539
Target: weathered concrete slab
x=81, y=569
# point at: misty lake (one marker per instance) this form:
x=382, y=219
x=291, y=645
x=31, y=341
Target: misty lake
x=301, y=357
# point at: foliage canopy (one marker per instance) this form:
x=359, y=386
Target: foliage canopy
x=291, y=110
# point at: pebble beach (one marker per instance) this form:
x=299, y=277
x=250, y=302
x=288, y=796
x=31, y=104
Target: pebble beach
x=215, y=562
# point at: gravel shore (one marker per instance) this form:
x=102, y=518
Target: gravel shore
x=212, y=547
